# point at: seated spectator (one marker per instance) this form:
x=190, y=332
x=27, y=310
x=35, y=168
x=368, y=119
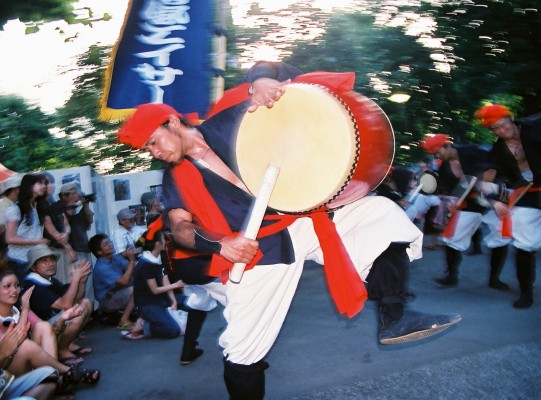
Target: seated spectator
x=152, y=205
x=41, y=332
x=40, y=383
x=51, y=298
x=113, y=279
x=36, y=384
x=20, y=356
x=127, y=233
x=152, y=291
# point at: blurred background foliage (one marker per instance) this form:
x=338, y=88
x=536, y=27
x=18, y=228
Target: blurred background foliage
x=449, y=57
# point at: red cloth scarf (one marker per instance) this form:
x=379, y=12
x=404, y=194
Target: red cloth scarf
x=450, y=228
x=507, y=223
x=345, y=285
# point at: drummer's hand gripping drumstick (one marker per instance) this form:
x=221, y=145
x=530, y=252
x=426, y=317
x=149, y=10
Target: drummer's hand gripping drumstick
x=256, y=216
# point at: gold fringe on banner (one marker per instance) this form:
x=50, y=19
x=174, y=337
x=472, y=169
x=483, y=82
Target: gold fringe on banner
x=110, y=114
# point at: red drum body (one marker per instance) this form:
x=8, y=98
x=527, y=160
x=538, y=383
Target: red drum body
x=331, y=149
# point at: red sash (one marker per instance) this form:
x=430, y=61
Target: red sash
x=507, y=223
x=450, y=228
x=345, y=284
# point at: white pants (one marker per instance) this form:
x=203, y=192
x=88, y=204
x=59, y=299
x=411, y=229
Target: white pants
x=526, y=229
x=468, y=222
x=204, y=297
x=494, y=237
x=257, y=306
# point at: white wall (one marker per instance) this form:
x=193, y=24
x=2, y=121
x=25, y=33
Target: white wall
x=124, y=191
x=113, y=192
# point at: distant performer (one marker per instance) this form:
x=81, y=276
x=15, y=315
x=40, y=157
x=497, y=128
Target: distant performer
x=516, y=156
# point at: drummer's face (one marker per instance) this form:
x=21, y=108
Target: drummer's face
x=443, y=153
x=165, y=144
x=504, y=128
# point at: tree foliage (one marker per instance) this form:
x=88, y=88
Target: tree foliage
x=352, y=42
x=78, y=118
x=486, y=51
x=492, y=47
x=26, y=143
x=36, y=12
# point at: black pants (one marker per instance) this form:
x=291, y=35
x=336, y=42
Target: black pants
x=387, y=282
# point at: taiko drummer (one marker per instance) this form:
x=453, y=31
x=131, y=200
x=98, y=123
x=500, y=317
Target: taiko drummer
x=368, y=242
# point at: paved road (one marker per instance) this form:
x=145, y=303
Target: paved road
x=494, y=353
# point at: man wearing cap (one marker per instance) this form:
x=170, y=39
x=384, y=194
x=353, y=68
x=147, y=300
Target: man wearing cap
x=50, y=296
x=206, y=204
x=516, y=161
x=459, y=164
x=9, y=190
x=76, y=208
x=65, y=254
x=127, y=233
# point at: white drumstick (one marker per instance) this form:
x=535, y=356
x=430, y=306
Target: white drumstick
x=415, y=193
x=520, y=195
x=464, y=195
x=256, y=216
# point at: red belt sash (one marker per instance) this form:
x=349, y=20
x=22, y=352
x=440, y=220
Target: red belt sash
x=507, y=223
x=345, y=284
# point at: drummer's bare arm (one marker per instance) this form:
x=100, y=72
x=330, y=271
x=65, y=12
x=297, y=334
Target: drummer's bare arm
x=235, y=248
x=489, y=175
x=265, y=92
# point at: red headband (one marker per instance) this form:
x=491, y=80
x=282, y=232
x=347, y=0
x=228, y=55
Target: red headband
x=433, y=143
x=142, y=124
x=488, y=115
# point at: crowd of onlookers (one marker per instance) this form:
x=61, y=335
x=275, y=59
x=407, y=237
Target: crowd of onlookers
x=54, y=279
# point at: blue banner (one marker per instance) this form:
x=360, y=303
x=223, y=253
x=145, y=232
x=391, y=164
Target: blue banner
x=163, y=55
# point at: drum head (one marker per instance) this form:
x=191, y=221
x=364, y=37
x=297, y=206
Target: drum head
x=429, y=183
x=311, y=136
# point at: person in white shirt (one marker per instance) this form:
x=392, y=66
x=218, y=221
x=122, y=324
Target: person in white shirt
x=127, y=233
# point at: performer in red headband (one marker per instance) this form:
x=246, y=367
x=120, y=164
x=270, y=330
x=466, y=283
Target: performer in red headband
x=489, y=115
x=516, y=167
x=431, y=144
x=206, y=203
x=459, y=164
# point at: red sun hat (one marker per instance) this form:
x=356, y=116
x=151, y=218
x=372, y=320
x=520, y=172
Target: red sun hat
x=431, y=144
x=488, y=115
x=146, y=119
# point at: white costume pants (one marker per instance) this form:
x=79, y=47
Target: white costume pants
x=526, y=229
x=467, y=224
x=494, y=237
x=257, y=306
